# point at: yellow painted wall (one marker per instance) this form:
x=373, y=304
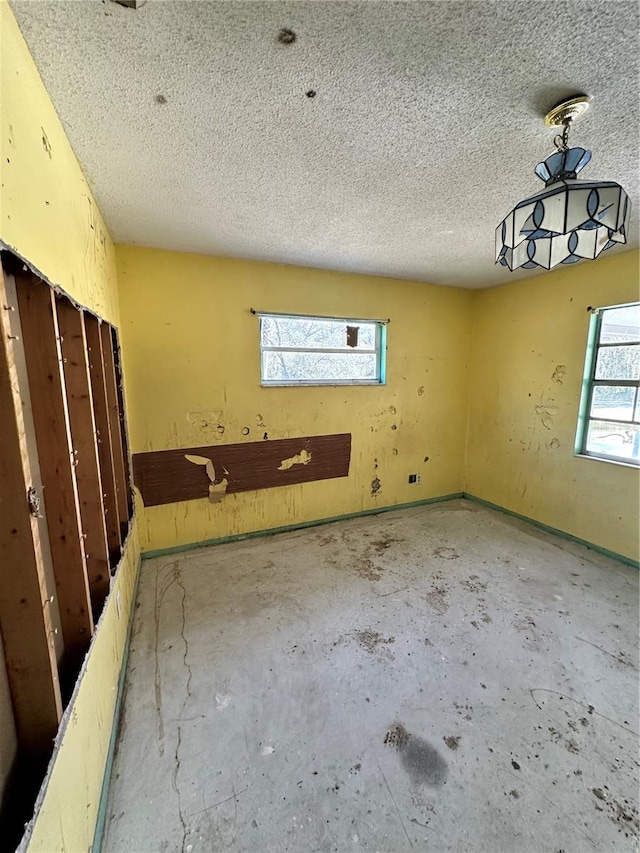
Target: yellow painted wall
x=48, y=217
x=529, y=343
x=47, y=212
x=191, y=351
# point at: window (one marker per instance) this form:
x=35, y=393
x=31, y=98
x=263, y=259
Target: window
x=297, y=350
x=609, y=421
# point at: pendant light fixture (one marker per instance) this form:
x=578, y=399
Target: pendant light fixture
x=571, y=219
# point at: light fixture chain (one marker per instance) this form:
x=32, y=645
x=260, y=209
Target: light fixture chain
x=561, y=141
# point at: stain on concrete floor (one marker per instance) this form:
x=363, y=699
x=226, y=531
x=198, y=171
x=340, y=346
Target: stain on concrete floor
x=422, y=762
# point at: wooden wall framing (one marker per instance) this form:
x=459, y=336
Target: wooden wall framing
x=85, y=449
x=25, y=594
x=65, y=493
x=42, y=348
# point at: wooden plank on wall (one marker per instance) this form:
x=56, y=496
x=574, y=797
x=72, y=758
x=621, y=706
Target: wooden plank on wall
x=25, y=621
x=119, y=468
x=51, y=422
x=105, y=454
x=166, y=476
x=84, y=440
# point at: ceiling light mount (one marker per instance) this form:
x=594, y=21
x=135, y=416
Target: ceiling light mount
x=570, y=219
x=567, y=110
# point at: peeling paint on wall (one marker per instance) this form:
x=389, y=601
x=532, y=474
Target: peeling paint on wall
x=546, y=411
x=205, y=420
x=202, y=460
x=45, y=142
x=302, y=458
x=559, y=373
x=216, y=490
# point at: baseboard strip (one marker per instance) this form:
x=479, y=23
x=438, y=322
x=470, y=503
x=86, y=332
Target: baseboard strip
x=628, y=561
x=271, y=531
x=98, y=835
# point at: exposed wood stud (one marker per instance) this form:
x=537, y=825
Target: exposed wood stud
x=122, y=482
x=105, y=452
x=51, y=421
x=123, y=417
x=84, y=440
x=25, y=621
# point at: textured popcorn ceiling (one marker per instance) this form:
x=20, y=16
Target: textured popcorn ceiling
x=192, y=122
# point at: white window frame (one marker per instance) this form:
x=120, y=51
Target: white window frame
x=589, y=382
x=380, y=351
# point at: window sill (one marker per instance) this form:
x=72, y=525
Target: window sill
x=303, y=384
x=620, y=462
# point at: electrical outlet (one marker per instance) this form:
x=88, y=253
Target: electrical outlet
x=414, y=478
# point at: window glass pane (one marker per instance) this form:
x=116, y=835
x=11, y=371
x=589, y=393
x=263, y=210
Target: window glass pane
x=312, y=333
x=618, y=362
x=620, y=324
x=613, y=401
x=318, y=367
x=610, y=439
x=637, y=417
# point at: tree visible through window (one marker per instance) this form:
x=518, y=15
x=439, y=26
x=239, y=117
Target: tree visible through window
x=321, y=351
x=609, y=424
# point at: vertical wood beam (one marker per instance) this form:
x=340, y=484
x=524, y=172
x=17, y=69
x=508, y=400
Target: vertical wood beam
x=25, y=622
x=105, y=452
x=83, y=437
x=122, y=481
x=128, y=464
x=51, y=420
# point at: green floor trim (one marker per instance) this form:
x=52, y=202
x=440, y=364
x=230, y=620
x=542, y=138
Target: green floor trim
x=620, y=558
x=271, y=531
x=101, y=819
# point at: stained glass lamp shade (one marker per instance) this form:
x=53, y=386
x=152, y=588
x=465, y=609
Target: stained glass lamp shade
x=570, y=220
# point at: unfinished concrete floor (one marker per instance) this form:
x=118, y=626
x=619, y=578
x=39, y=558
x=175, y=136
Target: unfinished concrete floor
x=438, y=678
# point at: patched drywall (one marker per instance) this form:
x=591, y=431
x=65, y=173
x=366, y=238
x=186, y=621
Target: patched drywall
x=529, y=344
x=192, y=356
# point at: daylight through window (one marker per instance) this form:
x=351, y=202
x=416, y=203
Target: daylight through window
x=321, y=351
x=609, y=426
